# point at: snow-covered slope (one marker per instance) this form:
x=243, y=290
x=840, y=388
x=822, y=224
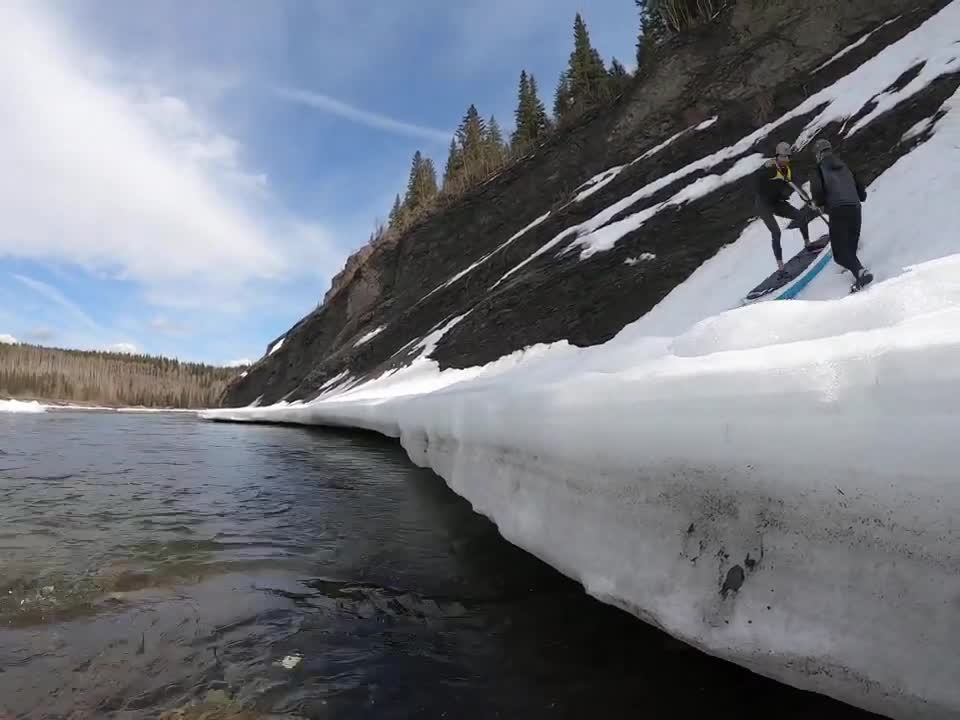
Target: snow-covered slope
x=775, y=483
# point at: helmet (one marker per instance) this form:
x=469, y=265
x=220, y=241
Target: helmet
x=784, y=149
x=820, y=147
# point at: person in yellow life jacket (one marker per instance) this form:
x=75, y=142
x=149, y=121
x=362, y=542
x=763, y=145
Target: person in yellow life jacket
x=772, y=185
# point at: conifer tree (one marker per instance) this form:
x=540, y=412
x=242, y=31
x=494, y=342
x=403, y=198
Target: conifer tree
x=495, y=150
x=422, y=185
x=471, y=137
x=562, y=98
x=453, y=169
x=531, y=116
x=521, y=115
x=396, y=214
x=540, y=123
x=427, y=181
x=587, y=82
x=619, y=77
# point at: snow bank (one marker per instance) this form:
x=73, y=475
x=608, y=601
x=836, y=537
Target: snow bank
x=154, y=411
x=18, y=407
x=775, y=484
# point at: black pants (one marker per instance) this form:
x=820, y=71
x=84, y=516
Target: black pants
x=845, y=237
x=785, y=210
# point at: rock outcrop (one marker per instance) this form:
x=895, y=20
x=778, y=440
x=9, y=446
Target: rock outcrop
x=761, y=59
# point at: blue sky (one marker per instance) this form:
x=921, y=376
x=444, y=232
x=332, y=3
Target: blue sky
x=185, y=178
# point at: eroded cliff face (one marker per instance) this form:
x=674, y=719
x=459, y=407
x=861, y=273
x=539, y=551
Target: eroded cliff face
x=759, y=61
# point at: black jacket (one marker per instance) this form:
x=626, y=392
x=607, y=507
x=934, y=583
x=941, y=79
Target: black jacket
x=771, y=185
x=835, y=185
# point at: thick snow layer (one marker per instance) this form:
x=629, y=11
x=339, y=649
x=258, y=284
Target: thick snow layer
x=776, y=483
x=152, y=411
x=19, y=407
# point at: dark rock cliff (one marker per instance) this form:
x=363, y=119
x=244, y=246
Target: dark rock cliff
x=751, y=67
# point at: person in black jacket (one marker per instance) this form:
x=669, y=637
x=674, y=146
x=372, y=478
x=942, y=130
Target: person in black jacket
x=838, y=190
x=773, y=188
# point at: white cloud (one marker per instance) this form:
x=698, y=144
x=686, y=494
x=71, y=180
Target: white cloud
x=364, y=117
x=123, y=347
x=8, y=339
x=242, y=362
x=124, y=180
x=55, y=296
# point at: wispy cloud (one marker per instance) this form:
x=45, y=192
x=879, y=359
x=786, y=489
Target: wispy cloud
x=365, y=117
x=146, y=187
x=55, y=296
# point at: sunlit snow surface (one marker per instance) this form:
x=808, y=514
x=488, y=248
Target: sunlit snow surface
x=777, y=483
x=23, y=408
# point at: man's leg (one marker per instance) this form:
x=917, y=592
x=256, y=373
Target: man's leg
x=797, y=215
x=843, y=238
x=863, y=276
x=771, y=222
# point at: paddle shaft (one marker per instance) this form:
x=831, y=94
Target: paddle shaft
x=808, y=202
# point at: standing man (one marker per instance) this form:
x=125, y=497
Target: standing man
x=837, y=189
x=772, y=184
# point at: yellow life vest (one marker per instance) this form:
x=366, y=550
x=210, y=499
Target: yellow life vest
x=780, y=175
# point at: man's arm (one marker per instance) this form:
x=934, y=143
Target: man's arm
x=816, y=189
x=861, y=190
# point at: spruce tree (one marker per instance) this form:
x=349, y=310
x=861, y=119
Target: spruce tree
x=521, y=115
x=422, y=185
x=540, y=123
x=562, y=98
x=454, y=166
x=396, y=214
x=586, y=81
x=471, y=138
x=495, y=150
x=428, y=180
x=531, y=115
x=619, y=77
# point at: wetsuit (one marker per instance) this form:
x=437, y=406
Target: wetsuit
x=838, y=189
x=773, y=190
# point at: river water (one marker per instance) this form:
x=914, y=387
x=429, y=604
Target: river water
x=161, y=566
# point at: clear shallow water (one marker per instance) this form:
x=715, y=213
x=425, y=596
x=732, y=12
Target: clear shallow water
x=149, y=561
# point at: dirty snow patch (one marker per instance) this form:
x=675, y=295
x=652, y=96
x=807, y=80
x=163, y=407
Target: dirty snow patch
x=854, y=46
x=369, y=336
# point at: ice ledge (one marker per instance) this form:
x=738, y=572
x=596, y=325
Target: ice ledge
x=797, y=518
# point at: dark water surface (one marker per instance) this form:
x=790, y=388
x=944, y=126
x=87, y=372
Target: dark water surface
x=152, y=562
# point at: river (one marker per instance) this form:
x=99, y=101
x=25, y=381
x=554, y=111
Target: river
x=161, y=566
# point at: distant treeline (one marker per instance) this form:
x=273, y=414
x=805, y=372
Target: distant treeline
x=29, y=371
